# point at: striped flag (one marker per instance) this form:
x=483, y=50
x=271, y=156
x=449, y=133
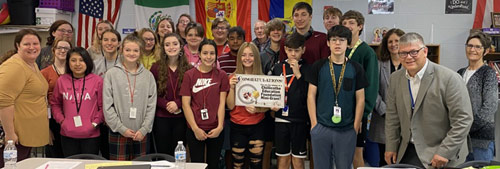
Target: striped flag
x=269, y=9
x=91, y=12
x=483, y=13
x=237, y=12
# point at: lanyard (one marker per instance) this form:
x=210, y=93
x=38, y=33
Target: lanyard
x=132, y=91
x=411, y=97
x=287, y=85
x=335, y=87
x=354, y=48
x=106, y=61
x=174, y=88
x=55, y=68
x=78, y=105
x=208, y=88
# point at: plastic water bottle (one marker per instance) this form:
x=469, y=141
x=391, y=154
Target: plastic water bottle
x=10, y=155
x=180, y=155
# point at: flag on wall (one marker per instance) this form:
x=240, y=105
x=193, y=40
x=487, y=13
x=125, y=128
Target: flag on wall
x=91, y=12
x=483, y=13
x=149, y=12
x=269, y=9
x=237, y=12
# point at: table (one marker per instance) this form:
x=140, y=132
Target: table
x=32, y=163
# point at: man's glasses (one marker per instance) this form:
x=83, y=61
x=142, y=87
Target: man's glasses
x=412, y=53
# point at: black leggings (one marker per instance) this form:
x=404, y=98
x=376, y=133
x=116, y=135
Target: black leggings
x=167, y=131
x=247, y=142
x=197, y=149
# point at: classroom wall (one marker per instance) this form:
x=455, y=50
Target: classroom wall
x=450, y=30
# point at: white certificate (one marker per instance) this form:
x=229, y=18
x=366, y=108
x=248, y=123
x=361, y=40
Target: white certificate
x=260, y=91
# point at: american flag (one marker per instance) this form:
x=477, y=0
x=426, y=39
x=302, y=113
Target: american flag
x=91, y=12
x=483, y=12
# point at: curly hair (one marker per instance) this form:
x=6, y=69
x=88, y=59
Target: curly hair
x=182, y=66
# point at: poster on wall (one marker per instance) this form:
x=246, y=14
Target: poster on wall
x=380, y=6
x=458, y=7
x=260, y=91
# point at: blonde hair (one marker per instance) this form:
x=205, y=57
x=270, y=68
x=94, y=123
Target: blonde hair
x=132, y=38
x=156, y=48
x=257, y=67
x=96, y=42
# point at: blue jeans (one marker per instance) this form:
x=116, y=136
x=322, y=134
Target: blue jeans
x=483, y=154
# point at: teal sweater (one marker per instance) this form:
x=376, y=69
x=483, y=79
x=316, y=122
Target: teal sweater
x=367, y=58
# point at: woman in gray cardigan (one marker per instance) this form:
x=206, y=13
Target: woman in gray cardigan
x=388, y=62
x=482, y=85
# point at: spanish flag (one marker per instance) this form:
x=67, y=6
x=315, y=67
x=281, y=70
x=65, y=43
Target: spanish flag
x=237, y=12
x=269, y=9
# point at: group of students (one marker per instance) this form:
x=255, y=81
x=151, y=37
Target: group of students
x=125, y=98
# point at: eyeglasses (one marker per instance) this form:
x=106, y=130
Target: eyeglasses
x=477, y=47
x=220, y=28
x=149, y=39
x=412, y=53
x=338, y=39
x=62, y=48
x=65, y=31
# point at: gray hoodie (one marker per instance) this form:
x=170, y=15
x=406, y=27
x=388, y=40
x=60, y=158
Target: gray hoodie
x=117, y=101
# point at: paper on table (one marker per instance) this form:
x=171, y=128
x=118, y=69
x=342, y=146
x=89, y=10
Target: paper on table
x=59, y=165
x=94, y=166
x=161, y=164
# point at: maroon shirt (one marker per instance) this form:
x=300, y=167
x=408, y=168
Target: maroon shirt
x=316, y=48
x=227, y=62
x=163, y=99
x=204, y=89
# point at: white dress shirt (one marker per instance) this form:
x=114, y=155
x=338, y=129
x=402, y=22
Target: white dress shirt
x=415, y=86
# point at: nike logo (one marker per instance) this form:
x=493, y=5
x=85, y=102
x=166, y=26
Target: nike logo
x=302, y=153
x=197, y=89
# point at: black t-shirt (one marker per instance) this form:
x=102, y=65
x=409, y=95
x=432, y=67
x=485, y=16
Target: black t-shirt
x=297, y=93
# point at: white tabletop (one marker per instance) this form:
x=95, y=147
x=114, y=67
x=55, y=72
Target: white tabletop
x=32, y=163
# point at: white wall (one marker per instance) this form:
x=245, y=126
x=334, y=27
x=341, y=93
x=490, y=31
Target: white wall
x=450, y=30
x=412, y=16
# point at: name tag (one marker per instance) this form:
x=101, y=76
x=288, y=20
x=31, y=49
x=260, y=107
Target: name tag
x=133, y=112
x=337, y=114
x=285, y=110
x=204, y=114
x=78, y=121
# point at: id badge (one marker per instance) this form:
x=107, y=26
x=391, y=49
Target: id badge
x=204, y=114
x=78, y=121
x=49, y=112
x=133, y=112
x=285, y=110
x=337, y=114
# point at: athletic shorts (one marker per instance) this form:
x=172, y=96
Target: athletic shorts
x=290, y=138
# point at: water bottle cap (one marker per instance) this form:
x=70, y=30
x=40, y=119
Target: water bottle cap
x=179, y=142
x=10, y=142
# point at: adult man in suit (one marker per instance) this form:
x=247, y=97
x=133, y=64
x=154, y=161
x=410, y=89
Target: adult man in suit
x=429, y=112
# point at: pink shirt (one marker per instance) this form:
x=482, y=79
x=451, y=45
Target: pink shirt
x=192, y=58
x=64, y=107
